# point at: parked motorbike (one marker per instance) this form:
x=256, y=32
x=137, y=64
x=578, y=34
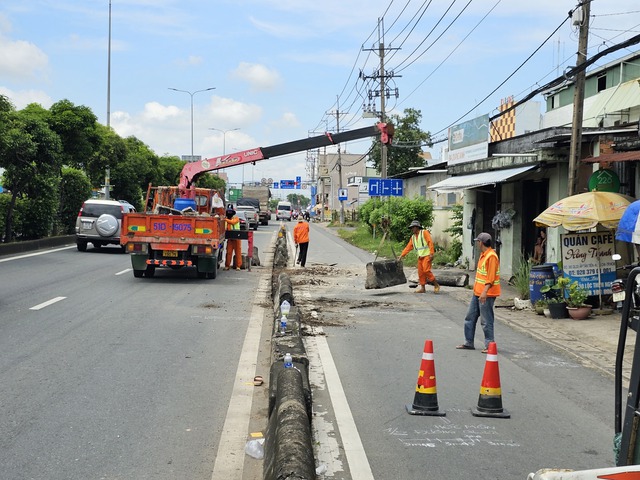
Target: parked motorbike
x=619, y=293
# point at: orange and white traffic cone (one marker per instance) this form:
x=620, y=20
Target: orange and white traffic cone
x=425, y=401
x=490, y=399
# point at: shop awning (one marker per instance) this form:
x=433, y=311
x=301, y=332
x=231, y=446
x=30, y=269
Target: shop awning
x=615, y=157
x=475, y=180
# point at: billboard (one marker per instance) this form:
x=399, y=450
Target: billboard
x=469, y=141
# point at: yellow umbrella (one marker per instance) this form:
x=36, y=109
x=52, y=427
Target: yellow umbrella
x=585, y=211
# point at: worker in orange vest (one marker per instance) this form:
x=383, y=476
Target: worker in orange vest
x=234, y=245
x=301, y=239
x=485, y=291
x=423, y=244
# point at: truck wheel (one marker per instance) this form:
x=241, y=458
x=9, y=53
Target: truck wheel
x=214, y=273
x=138, y=273
x=82, y=246
x=150, y=271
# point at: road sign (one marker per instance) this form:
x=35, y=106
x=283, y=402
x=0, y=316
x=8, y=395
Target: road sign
x=385, y=187
x=287, y=184
x=343, y=194
x=276, y=185
x=298, y=182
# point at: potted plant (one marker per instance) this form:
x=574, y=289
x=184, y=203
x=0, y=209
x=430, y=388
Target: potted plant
x=539, y=306
x=556, y=297
x=576, y=296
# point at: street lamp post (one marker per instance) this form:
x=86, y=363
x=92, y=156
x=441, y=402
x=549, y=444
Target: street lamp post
x=191, y=94
x=224, y=137
x=224, y=142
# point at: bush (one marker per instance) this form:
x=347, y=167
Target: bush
x=521, y=274
x=397, y=213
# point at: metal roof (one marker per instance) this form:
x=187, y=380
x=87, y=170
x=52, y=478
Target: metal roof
x=475, y=180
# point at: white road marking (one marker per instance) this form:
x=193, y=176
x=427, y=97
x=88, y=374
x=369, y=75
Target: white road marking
x=124, y=271
x=230, y=455
x=356, y=456
x=42, y=252
x=47, y=303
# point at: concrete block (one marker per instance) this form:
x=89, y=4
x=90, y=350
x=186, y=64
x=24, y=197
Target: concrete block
x=384, y=273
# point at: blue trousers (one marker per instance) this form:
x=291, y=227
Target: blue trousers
x=485, y=313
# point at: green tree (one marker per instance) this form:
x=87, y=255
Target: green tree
x=31, y=153
x=298, y=201
x=77, y=128
x=408, y=140
x=167, y=171
x=75, y=188
x=110, y=151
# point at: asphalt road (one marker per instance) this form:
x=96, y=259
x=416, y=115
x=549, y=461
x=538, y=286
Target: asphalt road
x=109, y=376
x=366, y=364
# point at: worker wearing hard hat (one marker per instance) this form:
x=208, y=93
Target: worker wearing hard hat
x=301, y=239
x=423, y=244
x=234, y=245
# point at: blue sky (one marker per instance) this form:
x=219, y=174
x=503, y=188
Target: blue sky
x=280, y=67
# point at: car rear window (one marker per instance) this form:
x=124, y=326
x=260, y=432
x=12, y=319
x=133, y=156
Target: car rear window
x=284, y=207
x=96, y=209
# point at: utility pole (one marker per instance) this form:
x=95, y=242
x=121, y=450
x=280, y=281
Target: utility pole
x=107, y=175
x=384, y=93
x=339, y=162
x=578, y=96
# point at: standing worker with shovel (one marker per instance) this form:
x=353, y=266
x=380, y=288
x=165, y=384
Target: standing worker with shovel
x=301, y=239
x=423, y=244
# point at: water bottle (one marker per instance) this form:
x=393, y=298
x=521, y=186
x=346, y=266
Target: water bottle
x=285, y=308
x=288, y=361
x=283, y=325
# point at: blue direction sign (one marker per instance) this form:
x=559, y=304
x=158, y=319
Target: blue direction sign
x=385, y=187
x=343, y=194
x=287, y=184
x=275, y=185
x=298, y=182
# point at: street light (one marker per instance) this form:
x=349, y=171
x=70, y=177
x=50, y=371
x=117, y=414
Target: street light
x=224, y=137
x=191, y=94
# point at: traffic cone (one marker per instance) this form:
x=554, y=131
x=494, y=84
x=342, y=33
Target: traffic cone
x=490, y=399
x=425, y=401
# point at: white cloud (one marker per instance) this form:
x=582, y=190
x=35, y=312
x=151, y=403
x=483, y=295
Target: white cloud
x=260, y=77
x=22, y=98
x=154, y=111
x=224, y=113
x=21, y=60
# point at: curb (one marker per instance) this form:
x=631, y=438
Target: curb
x=288, y=447
x=29, y=245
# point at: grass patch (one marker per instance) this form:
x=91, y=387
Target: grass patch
x=362, y=238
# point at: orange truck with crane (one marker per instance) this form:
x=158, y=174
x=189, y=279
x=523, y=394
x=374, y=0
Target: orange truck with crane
x=183, y=226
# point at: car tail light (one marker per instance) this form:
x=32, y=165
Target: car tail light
x=133, y=247
x=202, y=250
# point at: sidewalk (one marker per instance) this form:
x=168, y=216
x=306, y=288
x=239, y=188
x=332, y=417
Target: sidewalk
x=593, y=341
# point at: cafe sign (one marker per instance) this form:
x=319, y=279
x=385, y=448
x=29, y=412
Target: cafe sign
x=604, y=181
x=586, y=257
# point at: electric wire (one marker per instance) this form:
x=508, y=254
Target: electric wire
x=399, y=70
x=505, y=80
x=452, y=51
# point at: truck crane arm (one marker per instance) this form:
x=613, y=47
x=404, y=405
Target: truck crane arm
x=193, y=170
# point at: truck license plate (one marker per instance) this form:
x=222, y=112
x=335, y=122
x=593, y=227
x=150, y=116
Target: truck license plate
x=169, y=253
x=618, y=296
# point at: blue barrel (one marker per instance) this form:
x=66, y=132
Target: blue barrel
x=539, y=276
x=182, y=203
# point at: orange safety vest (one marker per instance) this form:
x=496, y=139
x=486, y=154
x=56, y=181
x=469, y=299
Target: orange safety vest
x=483, y=276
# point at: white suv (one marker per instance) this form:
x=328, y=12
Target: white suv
x=99, y=223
